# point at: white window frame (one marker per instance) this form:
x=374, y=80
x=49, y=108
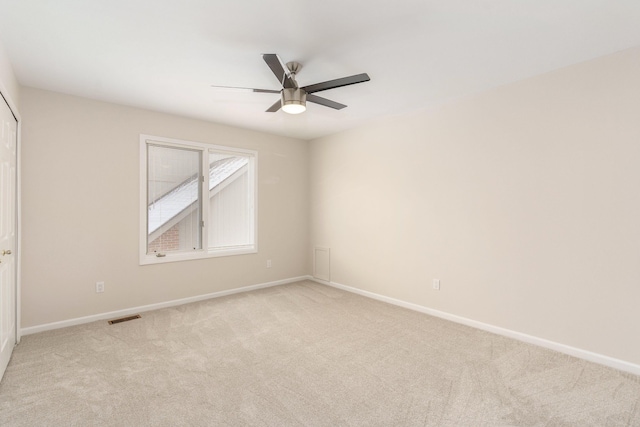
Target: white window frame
x=205, y=252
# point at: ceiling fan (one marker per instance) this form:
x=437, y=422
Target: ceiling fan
x=293, y=98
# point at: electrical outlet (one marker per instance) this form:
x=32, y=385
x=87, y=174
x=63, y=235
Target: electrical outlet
x=99, y=287
x=268, y=263
x=436, y=284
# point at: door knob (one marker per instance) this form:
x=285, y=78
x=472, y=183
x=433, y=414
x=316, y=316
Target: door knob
x=7, y=252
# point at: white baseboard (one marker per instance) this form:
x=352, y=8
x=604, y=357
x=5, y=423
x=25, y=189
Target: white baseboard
x=561, y=348
x=140, y=309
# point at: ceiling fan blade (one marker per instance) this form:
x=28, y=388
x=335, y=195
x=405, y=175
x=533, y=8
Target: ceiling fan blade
x=280, y=70
x=326, y=102
x=275, y=107
x=267, y=91
x=249, y=89
x=345, y=81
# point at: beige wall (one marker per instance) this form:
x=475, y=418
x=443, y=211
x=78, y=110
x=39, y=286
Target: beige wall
x=80, y=198
x=524, y=201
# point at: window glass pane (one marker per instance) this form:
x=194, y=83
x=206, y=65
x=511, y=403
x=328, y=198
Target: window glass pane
x=174, y=205
x=231, y=205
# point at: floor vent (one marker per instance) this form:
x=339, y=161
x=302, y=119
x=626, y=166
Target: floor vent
x=124, y=319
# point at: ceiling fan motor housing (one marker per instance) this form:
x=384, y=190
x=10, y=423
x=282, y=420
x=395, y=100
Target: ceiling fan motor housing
x=294, y=100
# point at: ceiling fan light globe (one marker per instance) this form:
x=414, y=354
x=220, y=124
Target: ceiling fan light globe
x=294, y=108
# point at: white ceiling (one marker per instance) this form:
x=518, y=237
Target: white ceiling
x=164, y=55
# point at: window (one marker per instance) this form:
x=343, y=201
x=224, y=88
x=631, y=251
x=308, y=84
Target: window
x=197, y=200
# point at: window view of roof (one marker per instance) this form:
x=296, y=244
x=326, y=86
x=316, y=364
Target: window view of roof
x=168, y=208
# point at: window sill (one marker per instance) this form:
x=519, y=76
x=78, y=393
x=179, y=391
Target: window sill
x=149, y=259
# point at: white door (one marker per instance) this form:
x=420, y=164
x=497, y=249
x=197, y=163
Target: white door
x=8, y=145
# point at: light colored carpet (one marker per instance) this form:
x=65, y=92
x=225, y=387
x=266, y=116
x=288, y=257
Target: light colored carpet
x=303, y=355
